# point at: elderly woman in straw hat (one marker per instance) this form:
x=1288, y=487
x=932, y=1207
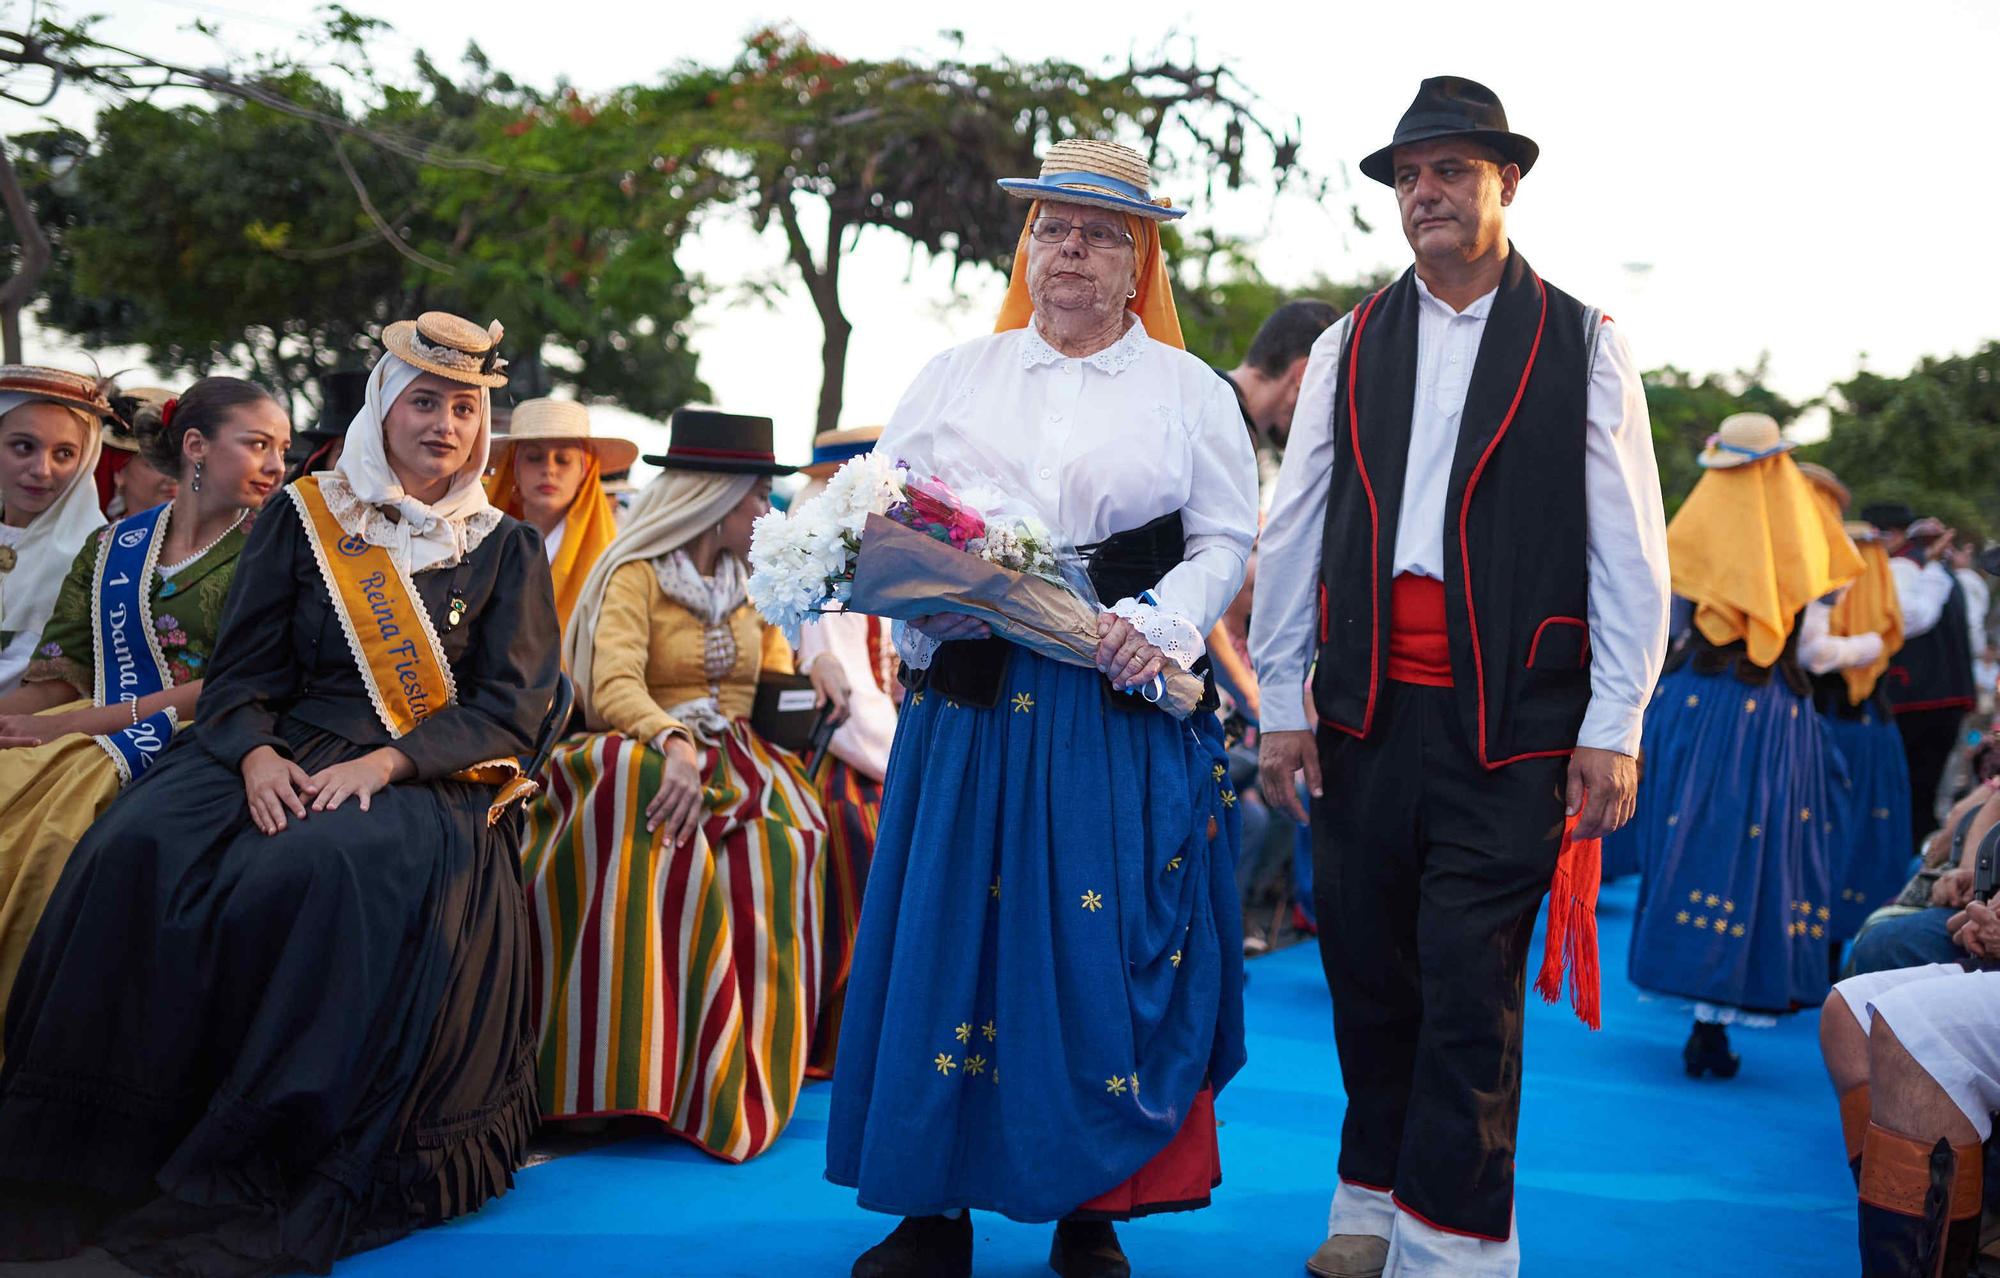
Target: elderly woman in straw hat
x=1047, y=984
x=850, y=780
x=673, y=866
x=275, y=1010
x=49, y=443
x=1730, y=833
x=546, y=471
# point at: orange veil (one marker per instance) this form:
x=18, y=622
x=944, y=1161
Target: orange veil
x=587, y=529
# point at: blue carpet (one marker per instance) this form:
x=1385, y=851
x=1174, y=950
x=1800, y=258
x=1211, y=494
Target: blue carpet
x=1627, y=1167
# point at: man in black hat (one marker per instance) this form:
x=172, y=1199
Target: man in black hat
x=1468, y=543
x=1930, y=686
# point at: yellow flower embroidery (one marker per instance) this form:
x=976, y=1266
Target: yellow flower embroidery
x=1175, y=958
x=1694, y=897
x=1693, y=700
x=1219, y=770
x=1711, y=900
x=944, y=1063
x=1729, y=907
x=1700, y=921
x=1115, y=1085
x=1092, y=902
x=995, y=889
x=1023, y=702
x=1736, y=930
x=1805, y=814
x=1756, y=831
x=1174, y=864
x=963, y=1033
x=1229, y=798
x=1818, y=931
x=1135, y=1084
x=989, y=1031
x=917, y=697
x=1682, y=917
x=1750, y=705
x=1673, y=819
x=974, y=1066
x=1824, y=913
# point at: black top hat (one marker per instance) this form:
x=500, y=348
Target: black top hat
x=727, y=442
x=1889, y=516
x=1449, y=106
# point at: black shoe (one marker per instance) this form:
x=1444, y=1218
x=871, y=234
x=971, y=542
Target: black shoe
x=1088, y=1249
x=1707, y=1052
x=921, y=1247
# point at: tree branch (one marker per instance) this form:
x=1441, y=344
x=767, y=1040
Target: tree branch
x=382, y=227
x=35, y=258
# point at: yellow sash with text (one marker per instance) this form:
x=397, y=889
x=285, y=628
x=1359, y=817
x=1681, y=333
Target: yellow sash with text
x=389, y=630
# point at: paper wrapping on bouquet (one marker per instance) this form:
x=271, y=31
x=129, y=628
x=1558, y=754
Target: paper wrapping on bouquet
x=902, y=574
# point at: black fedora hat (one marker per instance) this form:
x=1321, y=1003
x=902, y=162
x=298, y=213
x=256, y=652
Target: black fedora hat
x=727, y=442
x=1889, y=516
x=343, y=393
x=1450, y=106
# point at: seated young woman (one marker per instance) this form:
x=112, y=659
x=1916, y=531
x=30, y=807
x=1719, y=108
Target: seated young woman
x=122, y=658
x=275, y=1010
x=547, y=471
x=673, y=867
x=48, y=497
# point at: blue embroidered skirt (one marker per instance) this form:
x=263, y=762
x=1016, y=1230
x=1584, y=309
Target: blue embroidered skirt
x=1871, y=857
x=1731, y=832
x=1049, y=965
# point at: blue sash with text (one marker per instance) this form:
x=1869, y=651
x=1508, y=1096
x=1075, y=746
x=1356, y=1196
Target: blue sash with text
x=129, y=662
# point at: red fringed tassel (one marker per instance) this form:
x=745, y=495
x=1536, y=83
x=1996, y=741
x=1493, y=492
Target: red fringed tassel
x=1571, y=940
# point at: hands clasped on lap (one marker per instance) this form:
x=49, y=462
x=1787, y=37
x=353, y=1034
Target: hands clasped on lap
x=275, y=786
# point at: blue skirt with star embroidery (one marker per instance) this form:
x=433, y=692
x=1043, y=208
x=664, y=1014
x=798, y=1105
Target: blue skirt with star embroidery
x=1871, y=855
x=1731, y=834
x=1050, y=959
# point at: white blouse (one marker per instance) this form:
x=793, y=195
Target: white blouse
x=1096, y=446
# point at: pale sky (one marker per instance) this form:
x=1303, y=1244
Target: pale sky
x=1807, y=180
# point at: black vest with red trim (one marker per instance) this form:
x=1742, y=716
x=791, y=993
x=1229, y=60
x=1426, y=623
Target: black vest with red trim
x=1934, y=670
x=1516, y=574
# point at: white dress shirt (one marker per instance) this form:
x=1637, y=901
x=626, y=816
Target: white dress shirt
x=1092, y=447
x=1823, y=652
x=553, y=542
x=1627, y=549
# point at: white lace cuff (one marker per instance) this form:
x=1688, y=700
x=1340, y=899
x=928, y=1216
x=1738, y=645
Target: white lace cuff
x=1170, y=632
x=914, y=646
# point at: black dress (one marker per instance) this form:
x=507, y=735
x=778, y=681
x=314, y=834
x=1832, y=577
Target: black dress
x=229, y=1053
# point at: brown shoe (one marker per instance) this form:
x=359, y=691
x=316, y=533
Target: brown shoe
x=1350, y=1256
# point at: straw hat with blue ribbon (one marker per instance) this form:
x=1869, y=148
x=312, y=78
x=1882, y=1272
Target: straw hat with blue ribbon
x=1744, y=438
x=1103, y=175
x=834, y=448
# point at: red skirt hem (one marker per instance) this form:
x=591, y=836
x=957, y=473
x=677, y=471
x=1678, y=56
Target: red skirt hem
x=1178, y=1178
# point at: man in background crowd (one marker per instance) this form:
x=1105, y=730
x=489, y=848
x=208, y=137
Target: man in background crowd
x=1267, y=381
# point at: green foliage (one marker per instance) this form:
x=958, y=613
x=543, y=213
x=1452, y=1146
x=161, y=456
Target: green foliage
x=233, y=234
x=1685, y=411
x=1223, y=298
x=1930, y=438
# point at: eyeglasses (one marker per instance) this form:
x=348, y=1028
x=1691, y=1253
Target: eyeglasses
x=1099, y=235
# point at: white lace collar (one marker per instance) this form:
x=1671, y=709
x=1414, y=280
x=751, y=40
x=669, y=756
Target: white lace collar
x=1113, y=359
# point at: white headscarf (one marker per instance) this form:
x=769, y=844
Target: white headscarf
x=52, y=538
x=362, y=489
x=675, y=508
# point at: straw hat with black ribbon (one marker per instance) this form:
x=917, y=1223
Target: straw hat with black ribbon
x=445, y=344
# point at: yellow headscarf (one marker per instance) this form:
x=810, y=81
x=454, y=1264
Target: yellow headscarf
x=587, y=529
x=1154, y=305
x=1752, y=546
x=1869, y=607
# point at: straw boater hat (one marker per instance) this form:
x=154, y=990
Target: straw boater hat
x=728, y=442
x=566, y=420
x=1744, y=438
x=835, y=447
x=1826, y=480
x=1450, y=106
x=53, y=385
x=442, y=343
x=1103, y=175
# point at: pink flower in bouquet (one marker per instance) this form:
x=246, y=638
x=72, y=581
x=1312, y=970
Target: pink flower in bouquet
x=937, y=510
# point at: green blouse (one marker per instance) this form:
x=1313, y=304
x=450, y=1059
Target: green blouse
x=187, y=611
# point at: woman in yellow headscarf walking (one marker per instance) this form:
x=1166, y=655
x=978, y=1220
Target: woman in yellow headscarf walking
x=1731, y=828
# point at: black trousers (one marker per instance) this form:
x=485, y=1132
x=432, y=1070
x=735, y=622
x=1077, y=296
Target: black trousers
x=1428, y=871
x=1929, y=737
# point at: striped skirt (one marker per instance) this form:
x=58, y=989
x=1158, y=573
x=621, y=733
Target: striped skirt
x=853, y=806
x=679, y=984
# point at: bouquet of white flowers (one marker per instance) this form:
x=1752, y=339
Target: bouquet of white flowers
x=904, y=534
